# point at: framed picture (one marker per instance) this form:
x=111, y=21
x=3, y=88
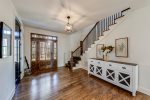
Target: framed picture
x=99, y=52
x=5, y=40
x=121, y=47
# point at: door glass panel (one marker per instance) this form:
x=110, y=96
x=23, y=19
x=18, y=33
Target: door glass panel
x=55, y=50
x=33, y=50
x=42, y=50
x=48, y=50
x=54, y=38
x=50, y=37
x=34, y=35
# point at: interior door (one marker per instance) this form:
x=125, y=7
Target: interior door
x=17, y=50
x=44, y=53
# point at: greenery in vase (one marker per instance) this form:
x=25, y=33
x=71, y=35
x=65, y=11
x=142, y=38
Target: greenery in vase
x=107, y=49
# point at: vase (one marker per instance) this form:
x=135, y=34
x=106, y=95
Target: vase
x=106, y=57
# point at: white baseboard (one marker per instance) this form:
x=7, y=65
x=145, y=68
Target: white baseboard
x=84, y=68
x=11, y=94
x=145, y=91
x=74, y=68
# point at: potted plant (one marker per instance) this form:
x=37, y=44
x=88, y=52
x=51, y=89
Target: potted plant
x=106, y=50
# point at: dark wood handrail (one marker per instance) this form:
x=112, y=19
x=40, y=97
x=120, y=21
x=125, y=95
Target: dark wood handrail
x=125, y=9
x=113, y=17
x=98, y=29
x=76, y=49
x=86, y=37
x=90, y=31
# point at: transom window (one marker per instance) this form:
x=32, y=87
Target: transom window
x=39, y=36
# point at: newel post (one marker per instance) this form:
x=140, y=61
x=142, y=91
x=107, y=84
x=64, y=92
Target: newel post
x=81, y=45
x=71, y=59
x=71, y=54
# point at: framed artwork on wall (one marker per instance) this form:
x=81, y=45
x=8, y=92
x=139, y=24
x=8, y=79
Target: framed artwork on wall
x=121, y=47
x=5, y=40
x=99, y=52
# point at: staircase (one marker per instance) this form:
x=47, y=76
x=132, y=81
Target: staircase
x=96, y=32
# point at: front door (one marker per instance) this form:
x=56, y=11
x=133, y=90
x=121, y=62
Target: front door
x=43, y=53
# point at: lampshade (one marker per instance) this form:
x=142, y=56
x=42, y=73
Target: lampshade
x=68, y=27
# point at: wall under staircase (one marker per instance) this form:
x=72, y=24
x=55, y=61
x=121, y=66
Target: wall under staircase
x=106, y=40
x=99, y=30
x=136, y=26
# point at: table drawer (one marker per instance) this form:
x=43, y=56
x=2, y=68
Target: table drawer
x=110, y=65
x=125, y=68
x=91, y=61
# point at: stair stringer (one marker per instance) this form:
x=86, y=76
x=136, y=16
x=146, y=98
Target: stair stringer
x=91, y=51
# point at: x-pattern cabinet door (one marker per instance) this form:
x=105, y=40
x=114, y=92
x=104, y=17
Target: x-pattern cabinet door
x=111, y=72
x=125, y=80
x=110, y=75
x=99, y=69
x=92, y=68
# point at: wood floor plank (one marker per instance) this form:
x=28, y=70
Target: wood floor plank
x=65, y=85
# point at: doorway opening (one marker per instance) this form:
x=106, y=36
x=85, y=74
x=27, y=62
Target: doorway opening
x=43, y=53
x=17, y=51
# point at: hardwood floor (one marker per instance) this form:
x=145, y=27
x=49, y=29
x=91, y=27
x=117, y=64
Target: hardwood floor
x=66, y=85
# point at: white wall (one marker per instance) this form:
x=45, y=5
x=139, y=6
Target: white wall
x=7, y=68
x=136, y=26
x=63, y=44
x=76, y=37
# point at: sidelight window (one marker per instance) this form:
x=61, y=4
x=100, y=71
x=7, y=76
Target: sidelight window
x=55, y=50
x=33, y=50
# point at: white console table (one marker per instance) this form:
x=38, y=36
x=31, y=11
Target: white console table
x=124, y=75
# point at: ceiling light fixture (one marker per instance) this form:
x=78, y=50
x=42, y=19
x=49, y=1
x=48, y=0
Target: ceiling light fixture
x=68, y=27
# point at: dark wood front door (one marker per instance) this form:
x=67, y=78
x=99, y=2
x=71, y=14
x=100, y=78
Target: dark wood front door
x=43, y=53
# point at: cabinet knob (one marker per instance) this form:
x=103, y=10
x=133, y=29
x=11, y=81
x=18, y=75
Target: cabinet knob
x=98, y=62
x=91, y=61
x=110, y=65
x=123, y=67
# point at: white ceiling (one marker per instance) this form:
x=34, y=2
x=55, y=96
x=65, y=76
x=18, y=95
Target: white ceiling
x=51, y=14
